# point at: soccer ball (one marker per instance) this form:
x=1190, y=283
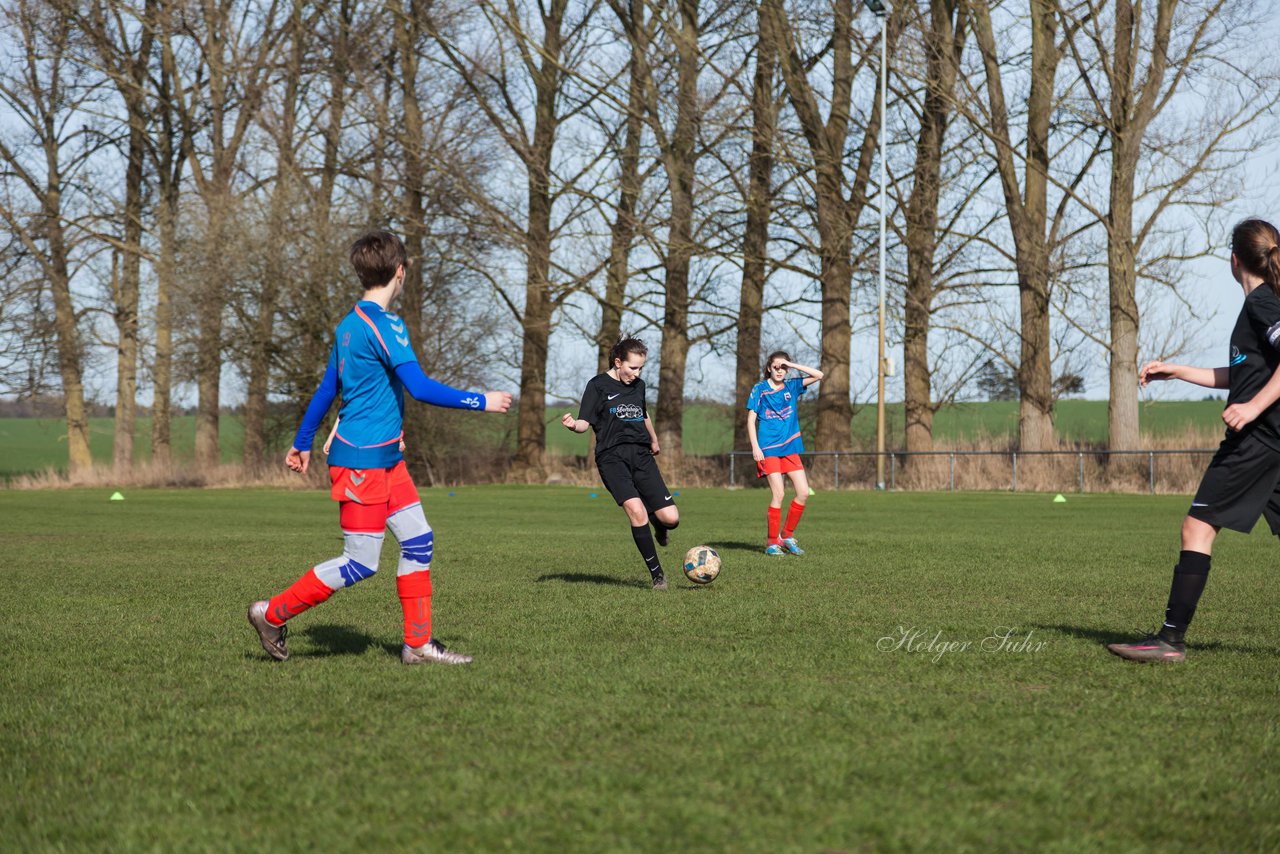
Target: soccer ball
x=701, y=564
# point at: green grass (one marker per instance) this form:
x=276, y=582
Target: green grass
x=35, y=444
x=757, y=714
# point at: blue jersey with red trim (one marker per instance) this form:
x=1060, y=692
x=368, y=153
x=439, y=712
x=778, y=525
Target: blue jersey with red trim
x=370, y=343
x=777, y=418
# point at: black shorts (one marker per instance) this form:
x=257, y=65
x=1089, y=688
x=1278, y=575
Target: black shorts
x=629, y=471
x=1239, y=486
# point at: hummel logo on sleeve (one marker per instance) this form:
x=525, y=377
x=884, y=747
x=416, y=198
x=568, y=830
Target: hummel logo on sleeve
x=404, y=342
x=398, y=328
x=1273, y=335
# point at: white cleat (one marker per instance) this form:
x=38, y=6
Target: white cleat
x=432, y=652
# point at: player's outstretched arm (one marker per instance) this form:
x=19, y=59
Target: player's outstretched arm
x=1207, y=377
x=426, y=390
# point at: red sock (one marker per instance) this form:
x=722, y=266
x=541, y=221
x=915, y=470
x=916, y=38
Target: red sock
x=307, y=592
x=775, y=519
x=794, y=512
x=414, y=591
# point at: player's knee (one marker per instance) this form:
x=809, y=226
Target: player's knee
x=408, y=523
x=417, y=550
x=359, y=560
x=669, y=517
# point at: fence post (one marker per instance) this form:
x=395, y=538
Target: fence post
x=1151, y=472
x=732, y=458
x=1081, y=458
x=953, y=472
x=893, y=471
x=837, y=471
x=1015, y=471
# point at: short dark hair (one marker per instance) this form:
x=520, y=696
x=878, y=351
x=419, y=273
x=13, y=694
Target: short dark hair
x=626, y=345
x=376, y=255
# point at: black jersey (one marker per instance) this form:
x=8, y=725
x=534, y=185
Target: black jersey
x=1255, y=354
x=615, y=411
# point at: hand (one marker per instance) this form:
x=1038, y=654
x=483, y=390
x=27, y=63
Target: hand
x=497, y=401
x=329, y=441
x=654, y=448
x=1153, y=371
x=1237, y=416
x=298, y=460
x=569, y=421
x=757, y=455
x=326, y=447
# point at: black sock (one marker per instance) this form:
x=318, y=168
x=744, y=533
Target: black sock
x=648, y=551
x=1189, y=578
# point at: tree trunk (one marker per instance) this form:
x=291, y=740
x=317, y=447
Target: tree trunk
x=755, y=241
x=623, y=230
x=836, y=238
x=944, y=40
x=680, y=160
x=126, y=308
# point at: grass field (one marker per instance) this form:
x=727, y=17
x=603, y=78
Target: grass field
x=765, y=712
x=35, y=444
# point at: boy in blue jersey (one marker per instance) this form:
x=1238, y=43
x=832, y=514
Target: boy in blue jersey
x=371, y=365
x=773, y=424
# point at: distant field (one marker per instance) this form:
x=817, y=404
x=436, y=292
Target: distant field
x=929, y=677
x=34, y=444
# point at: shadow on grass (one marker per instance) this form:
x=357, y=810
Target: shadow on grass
x=733, y=546
x=1105, y=636
x=342, y=640
x=588, y=578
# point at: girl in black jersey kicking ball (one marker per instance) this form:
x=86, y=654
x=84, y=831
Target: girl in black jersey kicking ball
x=613, y=406
x=1243, y=479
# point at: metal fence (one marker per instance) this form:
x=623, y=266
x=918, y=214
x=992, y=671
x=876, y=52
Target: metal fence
x=1094, y=457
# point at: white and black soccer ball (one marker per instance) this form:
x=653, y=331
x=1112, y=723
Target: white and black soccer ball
x=701, y=564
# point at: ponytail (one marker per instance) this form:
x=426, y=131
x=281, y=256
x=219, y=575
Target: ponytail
x=1256, y=245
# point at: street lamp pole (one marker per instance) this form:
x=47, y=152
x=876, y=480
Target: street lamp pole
x=878, y=9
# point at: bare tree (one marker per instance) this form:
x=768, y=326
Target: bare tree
x=839, y=202
x=230, y=53
x=43, y=158
x=1134, y=61
x=755, y=242
x=122, y=37
x=1035, y=231
x=943, y=37
x=543, y=57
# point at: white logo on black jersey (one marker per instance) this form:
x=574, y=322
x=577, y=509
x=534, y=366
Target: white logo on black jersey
x=628, y=412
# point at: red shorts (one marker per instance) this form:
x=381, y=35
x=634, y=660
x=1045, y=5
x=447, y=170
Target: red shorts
x=369, y=496
x=779, y=465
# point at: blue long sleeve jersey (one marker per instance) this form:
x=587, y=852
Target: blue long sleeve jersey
x=371, y=365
